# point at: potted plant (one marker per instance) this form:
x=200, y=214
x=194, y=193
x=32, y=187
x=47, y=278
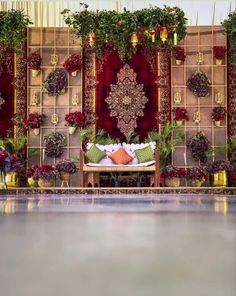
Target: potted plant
x=29, y=174
x=199, y=146
x=34, y=62
x=180, y=114
x=172, y=175
x=66, y=168
x=45, y=174
x=219, y=54
x=165, y=142
x=34, y=122
x=54, y=143
x=197, y=176
x=74, y=120
x=199, y=84
x=180, y=55
x=218, y=115
x=218, y=169
x=56, y=82
x=73, y=64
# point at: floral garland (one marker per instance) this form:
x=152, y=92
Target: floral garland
x=149, y=27
x=55, y=83
x=54, y=143
x=199, y=84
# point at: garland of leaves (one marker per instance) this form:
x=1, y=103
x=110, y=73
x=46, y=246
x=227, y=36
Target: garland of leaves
x=230, y=25
x=13, y=24
x=116, y=29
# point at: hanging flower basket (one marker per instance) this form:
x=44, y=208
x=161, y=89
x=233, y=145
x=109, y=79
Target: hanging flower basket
x=74, y=120
x=73, y=64
x=199, y=84
x=219, y=54
x=218, y=115
x=34, y=122
x=180, y=115
x=180, y=55
x=34, y=62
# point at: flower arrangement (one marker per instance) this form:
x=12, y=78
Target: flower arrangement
x=34, y=120
x=66, y=166
x=219, y=52
x=218, y=113
x=45, y=172
x=197, y=173
x=172, y=171
x=74, y=119
x=54, y=143
x=180, y=114
x=73, y=63
x=31, y=170
x=34, y=61
x=55, y=83
x=179, y=53
x=199, y=84
x=219, y=165
x=199, y=146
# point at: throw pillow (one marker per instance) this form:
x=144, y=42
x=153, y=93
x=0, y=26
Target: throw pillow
x=145, y=154
x=94, y=154
x=120, y=157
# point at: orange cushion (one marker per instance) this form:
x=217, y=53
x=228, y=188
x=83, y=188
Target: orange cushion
x=120, y=156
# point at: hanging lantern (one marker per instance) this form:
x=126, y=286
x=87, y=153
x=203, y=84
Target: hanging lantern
x=153, y=33
x=134, y=39
x=164, y=34
x=91, y=39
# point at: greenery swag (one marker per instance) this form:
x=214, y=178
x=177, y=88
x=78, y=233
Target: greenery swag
x=149, y=27
x=13, y=24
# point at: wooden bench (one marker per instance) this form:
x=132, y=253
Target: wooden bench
x=91, y=174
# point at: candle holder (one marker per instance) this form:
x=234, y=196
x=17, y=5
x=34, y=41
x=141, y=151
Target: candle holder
x=34, y=100
x=177, y=97
x=54, y=119
x=200, y=58
x=197, y=117
x=219, y=99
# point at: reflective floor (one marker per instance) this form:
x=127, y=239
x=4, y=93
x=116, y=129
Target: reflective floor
x=118, y=245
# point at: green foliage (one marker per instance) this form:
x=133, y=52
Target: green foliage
x=230, y=25
x=88, y=135
x=13, y=24
x=232, y=149
x=132, y=137
x=166, y=141
x=115, y=29
x=14, y=145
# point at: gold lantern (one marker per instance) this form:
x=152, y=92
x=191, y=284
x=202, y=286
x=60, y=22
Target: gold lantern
x=164, y=34
x=54, y=59
x=219, y=99
x=134, y=39
x=177, y=97
x=54, y=119
x=91, y=39
x=197, y=117
x=200, y=58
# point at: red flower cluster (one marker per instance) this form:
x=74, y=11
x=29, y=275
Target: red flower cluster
x=31, y=170
x=180, y=113
x=46, y=172
x=180, y=53
x=218, y=113
x=74, y=119
x=73, y=63
x=34, y=61
x=172, y=171
x=219, y=52
x=34, y=120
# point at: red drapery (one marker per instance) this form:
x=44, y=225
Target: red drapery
x=145, y=76
x=7, y=109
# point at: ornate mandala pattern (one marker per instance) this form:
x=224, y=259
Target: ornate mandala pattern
x=126, y=100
